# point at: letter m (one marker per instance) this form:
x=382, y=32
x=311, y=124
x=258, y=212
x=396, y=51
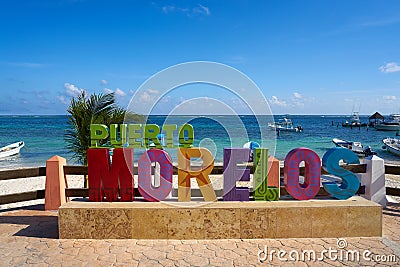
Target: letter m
x=108, y=180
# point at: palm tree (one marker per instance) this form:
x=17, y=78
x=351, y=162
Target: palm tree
x=83, y=112
x=86, y=110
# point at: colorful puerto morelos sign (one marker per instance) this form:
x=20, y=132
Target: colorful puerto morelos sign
x=113, y=180
x=123, y=176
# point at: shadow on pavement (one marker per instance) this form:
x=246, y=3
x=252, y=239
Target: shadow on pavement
x=30, y=221
x=392, y=209
x=30, y=207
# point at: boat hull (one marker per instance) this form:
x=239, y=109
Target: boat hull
x=392, y=146
x=11, y=150
x=393, y=150
x=358, y=153
x=358, y=149
x=381, y=127
x=284, y=129
x=355, y=126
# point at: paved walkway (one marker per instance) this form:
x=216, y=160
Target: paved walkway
x=29, y=237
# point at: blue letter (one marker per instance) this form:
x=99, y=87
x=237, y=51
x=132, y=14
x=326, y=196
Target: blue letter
x=330, y=163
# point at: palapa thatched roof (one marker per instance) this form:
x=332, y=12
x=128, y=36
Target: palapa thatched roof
x=376, y=116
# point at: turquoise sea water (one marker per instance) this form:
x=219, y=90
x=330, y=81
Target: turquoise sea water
x=44, y=136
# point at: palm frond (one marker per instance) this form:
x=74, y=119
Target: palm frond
x=94, y=109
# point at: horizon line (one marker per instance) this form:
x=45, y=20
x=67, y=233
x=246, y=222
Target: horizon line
x=278, y=114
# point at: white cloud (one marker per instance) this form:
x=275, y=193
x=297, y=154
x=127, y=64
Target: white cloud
x=152, y=91
x=62, y=99
x=275, y=101
x=297, y=95
x=197, y=10
x=105, y=82
x=389, y=67
x=107, y=91
x=131, y=91
x=298, y=103
x=200, y=9
x=148, y=95
x=145, y=97
x=119, y=92
x=167, y=9
x=166, y=99
x=389, y=98
x=298, y=100
x=26, y=64
x=72, y=90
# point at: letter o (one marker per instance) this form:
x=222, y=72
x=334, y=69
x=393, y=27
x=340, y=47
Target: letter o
x=145, y=187
x=312, y=176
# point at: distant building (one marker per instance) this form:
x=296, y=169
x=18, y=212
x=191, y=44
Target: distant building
x=375, y=119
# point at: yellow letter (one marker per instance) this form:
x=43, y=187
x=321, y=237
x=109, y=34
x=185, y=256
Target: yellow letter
x=201, y=173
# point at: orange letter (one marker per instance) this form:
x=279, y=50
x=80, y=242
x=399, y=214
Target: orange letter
x=185, y=172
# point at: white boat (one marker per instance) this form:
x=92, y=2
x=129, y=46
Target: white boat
x=11, y=149
x=392, y=125
x=285, y=125
x=392, y=145
x=356, y=147
x=354, y=121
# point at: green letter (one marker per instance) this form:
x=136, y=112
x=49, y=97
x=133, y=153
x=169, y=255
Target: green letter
x=134, y=135
x=186, y=135
x=97, y=132
x=150, y=134
x=114, y=135
x=169, y=134
x=262, y=191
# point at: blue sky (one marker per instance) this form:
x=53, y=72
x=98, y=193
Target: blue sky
x=307, y=57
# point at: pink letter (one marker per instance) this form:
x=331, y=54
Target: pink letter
x=146, y=189
x=309, y=189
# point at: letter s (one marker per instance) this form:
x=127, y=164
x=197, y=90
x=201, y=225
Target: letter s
x=330, y=163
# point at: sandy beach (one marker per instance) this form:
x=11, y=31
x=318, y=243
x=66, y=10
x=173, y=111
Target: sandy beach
x=32, y=184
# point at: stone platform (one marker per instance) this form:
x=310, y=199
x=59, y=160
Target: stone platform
x=355, y=217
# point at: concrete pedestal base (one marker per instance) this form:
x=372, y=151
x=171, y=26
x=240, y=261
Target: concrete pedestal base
x=220, y=220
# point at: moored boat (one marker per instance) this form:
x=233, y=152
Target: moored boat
x=392, y=125
x=356, y=147
x=354, y=121
x=11, y=149
x=286, y=125
x=392, y=145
